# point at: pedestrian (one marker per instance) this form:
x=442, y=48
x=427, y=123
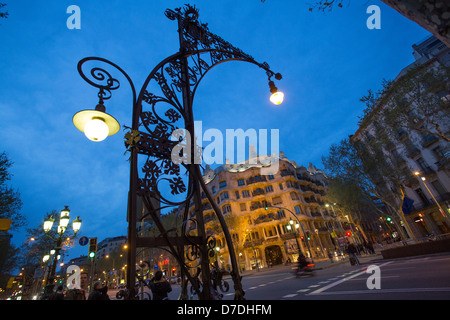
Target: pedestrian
x=330, y=256
x=352, y=251
x=160, y=287
x=99, y=292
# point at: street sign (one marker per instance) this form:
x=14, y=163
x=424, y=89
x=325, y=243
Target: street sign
x=83, y=241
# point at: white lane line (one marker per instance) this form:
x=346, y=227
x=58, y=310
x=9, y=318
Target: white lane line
x=331, y=285
x=399, y=290
x=290, y=295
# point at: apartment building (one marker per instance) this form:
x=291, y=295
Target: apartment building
x=426, y=156
x=269, y=216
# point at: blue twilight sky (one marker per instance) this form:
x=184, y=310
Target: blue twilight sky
x=328, y=61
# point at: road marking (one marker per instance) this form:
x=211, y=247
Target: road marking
x=331, y=285
x=302, y=290
x=314, y=286
x=290, y=295
x=399, y=290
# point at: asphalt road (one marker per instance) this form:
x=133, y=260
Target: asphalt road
x=413, y=278
x=423, y=277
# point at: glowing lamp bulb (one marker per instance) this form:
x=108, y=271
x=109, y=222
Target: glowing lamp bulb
x=96, y=129
x=277, y=98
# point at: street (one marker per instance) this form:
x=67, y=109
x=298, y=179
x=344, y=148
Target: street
x=415, y=278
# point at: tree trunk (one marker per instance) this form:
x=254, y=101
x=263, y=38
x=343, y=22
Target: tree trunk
x=433, y=15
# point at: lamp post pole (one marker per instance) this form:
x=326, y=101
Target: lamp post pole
x=301, y=226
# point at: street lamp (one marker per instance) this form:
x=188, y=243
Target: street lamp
x=96, y=124
x=62, y=227
x=277, y=97
x=177, y=77
x=48, y=224
x=417, y=173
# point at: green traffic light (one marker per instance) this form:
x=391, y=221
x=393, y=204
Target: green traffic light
x=91, y=254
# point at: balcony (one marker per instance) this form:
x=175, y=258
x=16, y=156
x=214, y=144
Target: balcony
x=257, y=205
x=316, y=214
x=443, y=163
x=428, y=203
x=256, y=179
x=258, y=192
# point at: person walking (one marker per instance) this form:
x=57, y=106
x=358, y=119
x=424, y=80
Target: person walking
x=160, y=287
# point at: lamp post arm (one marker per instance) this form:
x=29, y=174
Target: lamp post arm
x=301, y=226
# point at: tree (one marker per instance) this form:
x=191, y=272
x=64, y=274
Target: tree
x=431, y=15
x=10, y=202
x=3, y=14
x=415, y=102
x=370, y=172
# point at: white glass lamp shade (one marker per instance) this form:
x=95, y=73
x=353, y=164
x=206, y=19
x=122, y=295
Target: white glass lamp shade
x=277, y=98
x=76, y=225
x=96, y=125
x=64, y=221
x=48, y=224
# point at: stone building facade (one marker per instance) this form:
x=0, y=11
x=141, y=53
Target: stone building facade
x=270, y=216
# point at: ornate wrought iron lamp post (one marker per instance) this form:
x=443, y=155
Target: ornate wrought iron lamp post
x=152, y=137
x=62, y=227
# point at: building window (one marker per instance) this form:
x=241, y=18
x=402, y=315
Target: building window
x=281, y=186
x=213, y=189
x=438, y=187
x=270, y=232
x=246, y=193
x=271, y=177
x=277, y=200
x=281, y=214
x=298, y=210
x=269, y=188
x=222, y=184
x=241, y=182
x=226, y=209
x=237, y=194
x=243, y=207
x=224, y=195
x=254, y=235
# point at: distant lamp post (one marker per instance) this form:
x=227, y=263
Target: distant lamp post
x=417, y=173
x=62, y=227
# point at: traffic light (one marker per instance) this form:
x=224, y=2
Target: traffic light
x=388, y=219
x=92, y=248
x=266, y=206
x=349, y=233
x=308, y=235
